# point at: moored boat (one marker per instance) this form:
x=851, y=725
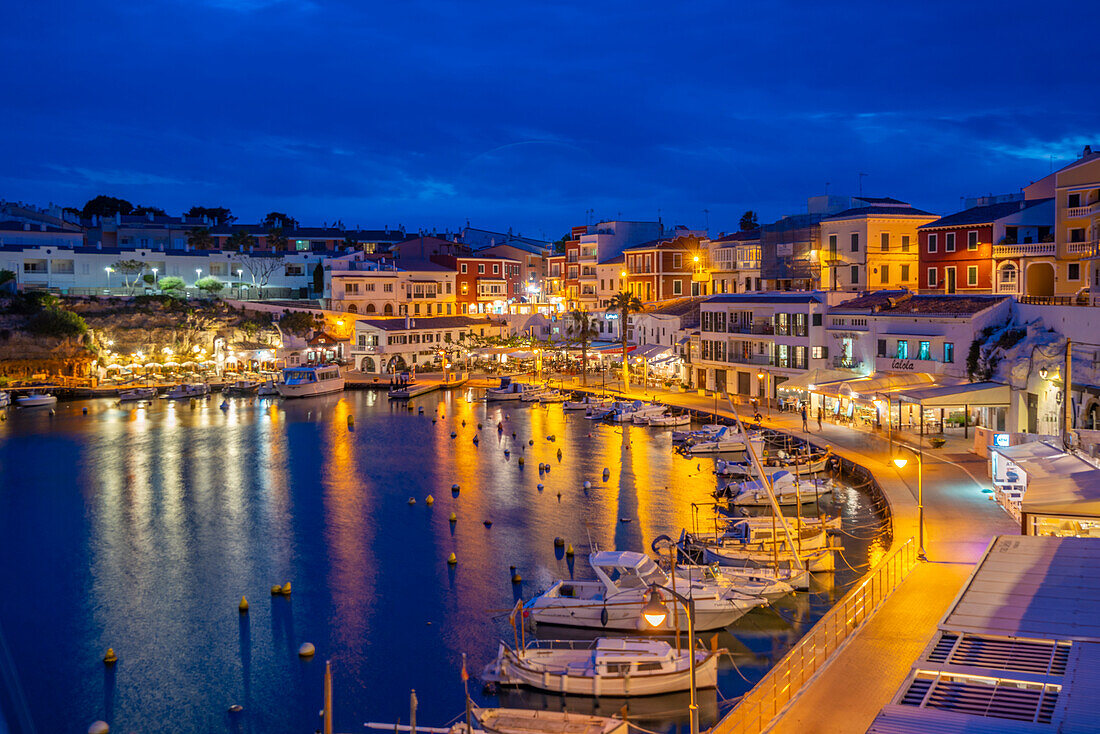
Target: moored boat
x=683, y=419
x=187, y=390
x=306, y=382
x=242, y=388
x=267, y=389
x=137, y=393
x=507, y=390
x=787, y=489
x=5, y=399
x=811, y=549
x=726, y=440
x=36, y=400
x=703, y=433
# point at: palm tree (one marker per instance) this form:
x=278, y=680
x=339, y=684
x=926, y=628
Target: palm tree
x=625, y=303
x=240, y=241
x=199, y=238
x=582, y=327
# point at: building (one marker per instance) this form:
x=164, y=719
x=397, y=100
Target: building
x=357, y=285
x=299, y=239
x=601, y=243
x=388, y=346
x=663, y=269
x=532, y=260
x=735, y=262
x=872, y=246
x=610, y=279
x=957, y=252
x=485, y=284
x=1077, y=227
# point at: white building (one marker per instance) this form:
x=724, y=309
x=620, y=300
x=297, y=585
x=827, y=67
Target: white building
x=387, y=346
x=359, y=285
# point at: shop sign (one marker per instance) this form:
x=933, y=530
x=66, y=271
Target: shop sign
x=902, y=364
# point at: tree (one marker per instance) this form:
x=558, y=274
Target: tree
x=279, y=219
x=216, y=214
x=199, y=238
x=54, y=321
x=260, y=266
x=210, y=285
x=141, y=211
x=105, y=206
x=276, y=240
x=748, y=221
x=319, y=279
x=625, y=303
x=131, y=271
x=6, y=276
x=171, y=285
x=299, y=323
x=582, y=328
x=241, y=241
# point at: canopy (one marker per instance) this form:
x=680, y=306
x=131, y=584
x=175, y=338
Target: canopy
x=974, y=394
x=1074, y=494
x=869, y=387
x=813, y=378
x=1026, y=451
x=651, y=351
x=1061, y=466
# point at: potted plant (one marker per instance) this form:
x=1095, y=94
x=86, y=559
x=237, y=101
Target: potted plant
x=937, y=442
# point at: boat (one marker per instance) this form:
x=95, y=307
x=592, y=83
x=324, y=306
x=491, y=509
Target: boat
x=137, y=393
x=187, y=390
x=554, y=396
x=454, y=379
x=682, y=419
x=703, y=433
x=812, y=548
x=723, y=441
x=623, y=412
x=786, y=487
x=740, y=469
x=267, y=389
x=507, y=390
x=36, y=400
x=530, y=721
x=744, y=580
x=586, y=402
x=306, y=382
x=607, y=666
x=242, y=388
x=533, y=393
x=5, y=399
x=614, y=601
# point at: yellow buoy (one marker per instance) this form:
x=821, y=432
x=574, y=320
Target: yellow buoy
x=286, y=589
x=243, y=606
x=429, y=500
x=110, y=658
x=306, y=650
x=569, y=549
x=412, y=500
x=453, y=517
x=452, y=559
x=99, y=727
x=276, y=590
x=521, y=461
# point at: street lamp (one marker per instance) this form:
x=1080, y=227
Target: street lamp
x=900, y=462
x=198, y=274
x=109, y=270
x=655, y=613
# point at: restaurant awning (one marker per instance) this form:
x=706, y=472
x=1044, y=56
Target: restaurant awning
x=651, y=351
x=1074, y=494
x=1026, y=451
x=868, y=387
x=813, y=378
x=975, y=394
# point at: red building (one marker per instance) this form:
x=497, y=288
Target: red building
x=664, y=269
x=484, y=284
x=573, y=266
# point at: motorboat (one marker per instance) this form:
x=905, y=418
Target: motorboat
x=740, y=469
x=624, y=412
x=267, y=389
x=812, y=547
x=242, y=388
x=615, y=599
x=743, y=580
x=508, y=390
x=307, y=382
x=683, y=419
x=533, y=721
x=137, y=393
x=5, y=399
x=554, y=396
x=702, y=433
x=36, y=400
x=725, y=440
x=586, y=402
x=787, y=488
x=187, y=390
x=607, y=666
x=533, y=393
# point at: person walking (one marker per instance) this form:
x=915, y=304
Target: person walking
x=820, y=412
x=805, y=427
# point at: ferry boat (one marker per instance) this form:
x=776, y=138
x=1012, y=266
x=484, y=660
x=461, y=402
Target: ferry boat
x=607, y=666
x=36, y=400
x=306, y=382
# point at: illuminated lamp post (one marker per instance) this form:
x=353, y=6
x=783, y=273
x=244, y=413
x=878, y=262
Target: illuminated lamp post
x=655, y=613
x=900, y=462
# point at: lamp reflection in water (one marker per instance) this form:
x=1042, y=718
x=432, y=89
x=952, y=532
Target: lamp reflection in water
x=655, y=613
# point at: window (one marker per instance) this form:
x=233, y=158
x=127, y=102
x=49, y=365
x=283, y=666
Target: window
x=903, y=349
x=387, y=287
x=884, y=272
x=1077, y=235
x=904, y=273
x=882, y=347
x=816, y=319
x=885, y=236
x=800, y=358
x=1074, y=271
x=448, y=286
x=972, y=240
x=1073, y=201
x=496, y=269
x=948, y=352
x=832, y=246
x=905, y=243
x=855, y=274
x=932, y=278
x=301, y=245
x=295, y=270
x=924, y=350
x=677, y=287
x=949, y=242
x=351, y=287
x=855, y=241
x=933, y=242
x=463, y=268
x=972, y=275
x=481, y=268
x=819, y=352
x=677, y=260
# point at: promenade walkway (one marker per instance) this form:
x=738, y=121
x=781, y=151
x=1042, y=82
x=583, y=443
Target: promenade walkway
x=960, y=520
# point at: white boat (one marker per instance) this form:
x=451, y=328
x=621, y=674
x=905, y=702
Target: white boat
x=5, y=399
x=533, y=393
x=242, y=388
x=187, y=390
x=787, y=488
x=624, y=412
x=703, y=433
x=740, y=469
x=267, y=389
x=137, y=393
x=36, y=400
x=744, y=580
x=586, y=402
x=508, y=390
x=761, y=547
x=553, y=396
x=532, y=721
x=682, y=419
x=615, y=600
x=306, y=382
x=727, y=439
x=608, y=666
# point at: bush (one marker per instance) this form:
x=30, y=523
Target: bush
x=149, y=278
x=171, y=284
x=31, y=302
x=210, y=284
x=57, y=322
x=298, y=322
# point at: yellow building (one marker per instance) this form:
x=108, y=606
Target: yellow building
x=871, y=247
x=1077, y=226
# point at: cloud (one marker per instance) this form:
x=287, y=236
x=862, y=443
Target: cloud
x=111, y=177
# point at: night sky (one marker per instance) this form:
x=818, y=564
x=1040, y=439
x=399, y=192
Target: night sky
x=507, y=114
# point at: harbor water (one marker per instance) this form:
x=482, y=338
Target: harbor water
x=140, y=527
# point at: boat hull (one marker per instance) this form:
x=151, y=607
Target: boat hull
x=311, y=389
x=626, y=615
x=514, y=671
x=36, y=401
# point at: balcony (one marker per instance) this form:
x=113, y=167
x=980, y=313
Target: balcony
x=1027, y=249
x=847, y=363
x=1083, y=211
x=1086, y=249
x=763, y=329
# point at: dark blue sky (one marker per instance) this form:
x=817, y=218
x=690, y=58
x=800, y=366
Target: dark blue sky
x=431, y=113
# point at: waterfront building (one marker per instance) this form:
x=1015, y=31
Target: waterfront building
x=532, y=260
x=734, y=262
x=663, y=269
x=484, y=283
x=600, y=243
x=1077, y=228
x=611, y=279
x=553, y=288
x=387, y=346
x=51, y=216
x=872, y=246
x=357, y=284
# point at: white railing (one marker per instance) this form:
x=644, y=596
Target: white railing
x=1083, y=248
x=1028, y=248
x=1083, y=211
x=757, y=708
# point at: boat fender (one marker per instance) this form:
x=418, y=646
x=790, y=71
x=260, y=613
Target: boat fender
x=306, y=650
x=110, y=658
x=660, y=539
x=603, y=616
x=243, y=606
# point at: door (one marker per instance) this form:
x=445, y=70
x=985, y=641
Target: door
x=700, y=377
x=743, y=383
x=720, y=380
x=951, y=280
x=1032, y=413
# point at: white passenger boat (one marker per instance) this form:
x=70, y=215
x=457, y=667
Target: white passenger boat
x=36, y=400
x=726, y=440
x=607, y=666
x=307, y=382
x=5, y=399
x=508, y=390
x=187, y=390
x=789, y=490
x=242, y=388
x=137, y=393
x=683, y=419
x=615, y=600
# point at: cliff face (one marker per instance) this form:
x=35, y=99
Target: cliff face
x=23, y=355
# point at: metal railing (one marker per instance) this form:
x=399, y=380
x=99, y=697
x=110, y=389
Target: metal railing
x=757, y=708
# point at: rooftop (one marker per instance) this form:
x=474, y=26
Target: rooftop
x=768, y=297
x=745, y=235
x=427, y=322
x=902, y=210
x=905, y=302
x=983, y=214
x=678, y=307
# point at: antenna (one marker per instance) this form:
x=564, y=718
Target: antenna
x=861, y=183
x=706, y=226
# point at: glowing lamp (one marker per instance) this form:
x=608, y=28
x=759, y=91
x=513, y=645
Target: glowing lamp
x=654, y=611
x=900, y=462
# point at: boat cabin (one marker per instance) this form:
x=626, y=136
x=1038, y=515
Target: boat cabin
x=307, y=375
x=618, y=656
x=627, y=569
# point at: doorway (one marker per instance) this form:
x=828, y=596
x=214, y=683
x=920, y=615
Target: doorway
x=951, y=279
